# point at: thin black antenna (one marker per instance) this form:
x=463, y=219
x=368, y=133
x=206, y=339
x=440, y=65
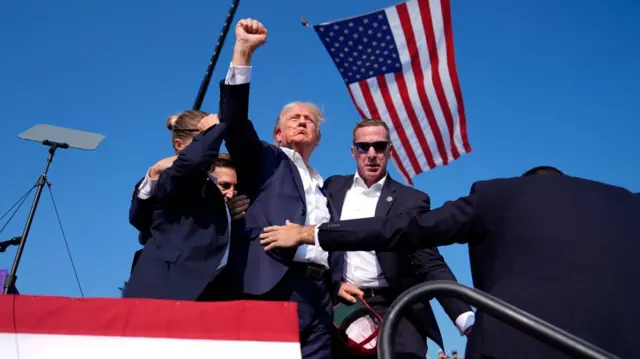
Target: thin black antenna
x=204, y=85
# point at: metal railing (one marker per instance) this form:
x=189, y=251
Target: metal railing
x=505, y=312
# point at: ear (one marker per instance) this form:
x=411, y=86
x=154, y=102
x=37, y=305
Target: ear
x=277, y=135
x=178, y=144
x=390, y=150
x=354, y=152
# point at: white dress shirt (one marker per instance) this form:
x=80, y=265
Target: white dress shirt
x=362, y=268
x=145, y=191
x=316, y=203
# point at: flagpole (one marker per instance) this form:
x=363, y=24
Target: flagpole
x=204, y=85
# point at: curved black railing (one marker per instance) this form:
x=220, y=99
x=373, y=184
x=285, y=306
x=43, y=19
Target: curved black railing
x=505, y=312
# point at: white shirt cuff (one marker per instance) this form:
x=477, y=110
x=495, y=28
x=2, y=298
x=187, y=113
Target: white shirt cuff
x=145, y=189
x=464, y=321
x=317, y=241
x=238, y=75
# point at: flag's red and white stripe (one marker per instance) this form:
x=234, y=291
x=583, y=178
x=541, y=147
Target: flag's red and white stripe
x=422, y=104
x=68, y=328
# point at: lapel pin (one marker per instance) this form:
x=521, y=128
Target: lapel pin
x=389, y=199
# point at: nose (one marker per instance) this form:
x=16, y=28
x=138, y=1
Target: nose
x=228, y=193
x=371, y=153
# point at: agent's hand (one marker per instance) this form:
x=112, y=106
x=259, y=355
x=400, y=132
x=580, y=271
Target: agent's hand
x=349, y=292
x=238, y=206
x=208, y=122
x=161, y=166
x=288, y=236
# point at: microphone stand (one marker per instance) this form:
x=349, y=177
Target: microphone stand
x=10, y=281
x=11, y=242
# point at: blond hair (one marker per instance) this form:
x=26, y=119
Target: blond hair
x=318, y=116
x=185, y=125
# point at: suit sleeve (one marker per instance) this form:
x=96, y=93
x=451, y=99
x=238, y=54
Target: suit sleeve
x=429, y=265
x=140, y=211
x=251, y=156
x=412, y=230
x=194, y=162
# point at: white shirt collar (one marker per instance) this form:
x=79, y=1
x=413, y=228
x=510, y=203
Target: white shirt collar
x=298, y=161
x=359, y=182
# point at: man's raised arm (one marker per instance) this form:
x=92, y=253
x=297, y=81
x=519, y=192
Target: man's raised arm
x=242, y=140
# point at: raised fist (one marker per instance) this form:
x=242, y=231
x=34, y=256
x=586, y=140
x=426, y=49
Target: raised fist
x=250, y=34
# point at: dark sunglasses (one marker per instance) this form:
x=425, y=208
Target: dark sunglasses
x=378, y=146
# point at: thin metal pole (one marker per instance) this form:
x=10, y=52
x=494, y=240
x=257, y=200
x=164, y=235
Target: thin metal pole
x=10, y=281
x=204, y=86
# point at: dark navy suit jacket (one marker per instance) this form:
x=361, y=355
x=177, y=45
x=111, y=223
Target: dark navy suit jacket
x=561, y=248
x=140, y=215
x=189, y=226
x=273, y=184
x=406, y=268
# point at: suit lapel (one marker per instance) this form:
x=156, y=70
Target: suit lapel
x=297, y=179
x=387, y=198
x=333, y=212
x=387, y=260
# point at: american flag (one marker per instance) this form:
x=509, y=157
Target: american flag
x=399, y=67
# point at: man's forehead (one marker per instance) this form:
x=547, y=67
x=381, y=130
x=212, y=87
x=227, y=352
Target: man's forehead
x=224, y=171
x=299, y=109
x=374, y=132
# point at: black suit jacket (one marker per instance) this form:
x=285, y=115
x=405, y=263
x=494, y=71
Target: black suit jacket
x=405, y=268
x=188, y=224
x=562, y=248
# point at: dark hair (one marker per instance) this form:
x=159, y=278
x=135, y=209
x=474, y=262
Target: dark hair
x=543, y=170
x=367, y=122
x=224, y=161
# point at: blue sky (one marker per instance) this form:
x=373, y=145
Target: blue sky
x=544, y=82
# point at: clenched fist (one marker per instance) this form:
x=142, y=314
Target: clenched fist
x=250, y=34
